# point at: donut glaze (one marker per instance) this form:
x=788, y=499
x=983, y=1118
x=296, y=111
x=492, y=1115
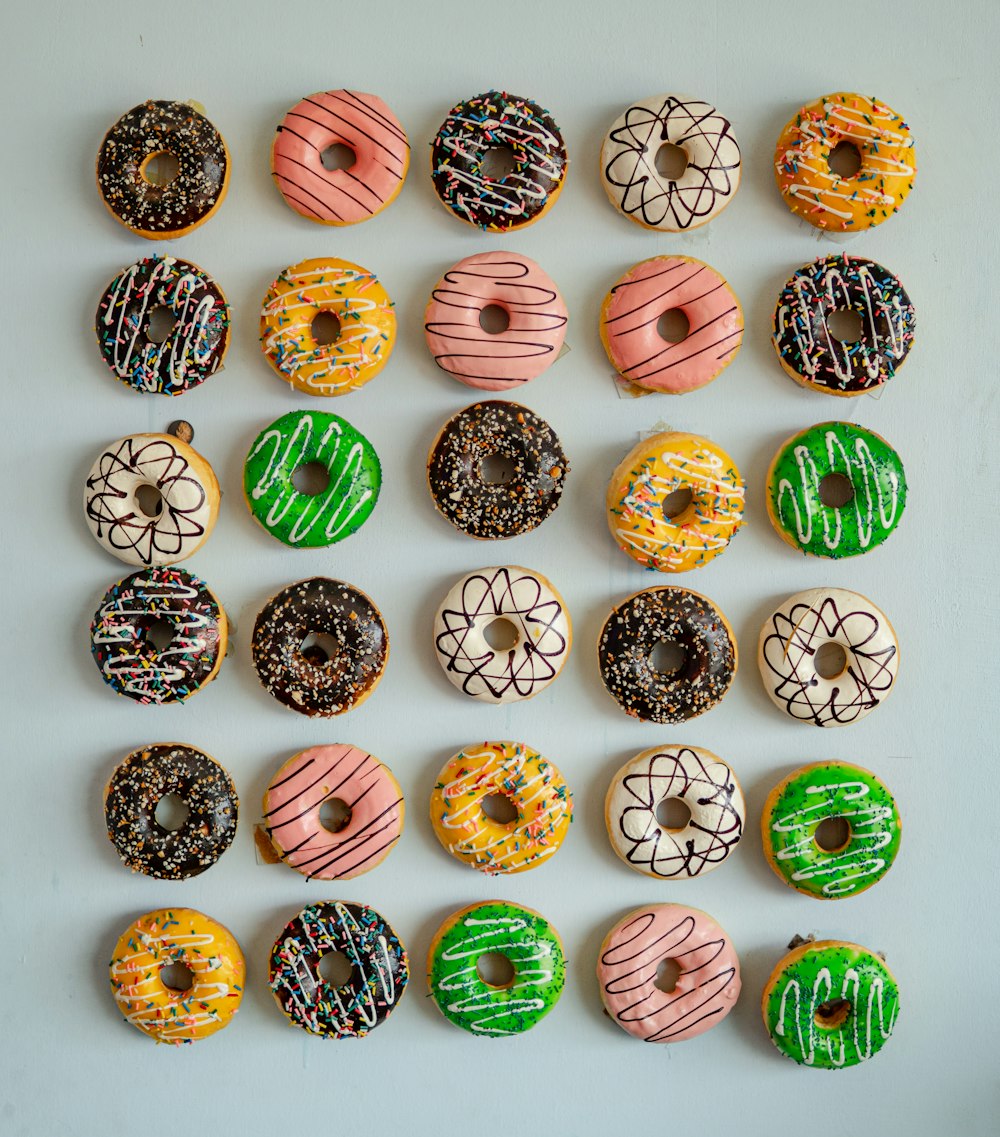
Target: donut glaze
x=379, y=974
x=707, y=987
x=528, y=297
x=195, y=346
x=155, y=127
x=309, y=682
x=491, y=121
x=298, y=790
x=673, y=615
x=526, y=939
x=129, y=661
x=527, y=780
x=491, y=510
x=704, y=783
x=529, y=602
x=799, y=803
x=628, y=163
x=354, y=119
x=808, y=351
x=793, y=634
x=866, y=460
x=136, y=788
x=631, y=312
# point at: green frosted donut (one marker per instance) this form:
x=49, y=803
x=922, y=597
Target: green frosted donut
x=871, y=466
x=830, y=1004
x=794, y=810
x=311, y=520
x=529, y=942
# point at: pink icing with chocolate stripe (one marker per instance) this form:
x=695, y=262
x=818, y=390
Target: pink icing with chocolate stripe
x=707, y=986
x=353, y=119
x=323, y=773
x=636, y=303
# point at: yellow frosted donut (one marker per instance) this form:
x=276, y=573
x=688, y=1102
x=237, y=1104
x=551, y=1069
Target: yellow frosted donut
x=351, y=299
x=177, y=936
x=815, y=192
x=637, y=495
x=529, y=782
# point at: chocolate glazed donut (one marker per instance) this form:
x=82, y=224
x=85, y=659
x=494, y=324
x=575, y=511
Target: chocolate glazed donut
x=136, y=788
x=675, y=616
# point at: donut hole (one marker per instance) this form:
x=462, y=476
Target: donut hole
x=497, y=163
x=495, y=969
x=671, y=161
x=160, y=168
x=833, y=834
x=318, y=648
x=325, y=327
x=499, y=808
x=311, y=478
x=844, y=159
x=673, y=326
x=845, y=325
x=497, y=469
x=156, y=632
x=177, y=976
x=832, y=1013
x=334, y=814
x=335, y=969
x=339, y=156
x=149, y=501
x=835, y=490
x=493, y=319
x=502, y=634
x=677, y=502
x=667, y=657
x=160, y=324
x=668, y=971
x=673, y=814
x=830, y=661
x=171, y=812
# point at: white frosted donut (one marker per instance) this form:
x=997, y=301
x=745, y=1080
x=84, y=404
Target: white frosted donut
x=706, y=785
x=188, y=506
x=641, y=193
x=793, y=634
x=521, y=597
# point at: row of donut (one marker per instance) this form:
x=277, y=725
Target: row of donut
x=320, y=646
x=328, y=326
x=502, y=807
x=499, y=162
x=827, y=1004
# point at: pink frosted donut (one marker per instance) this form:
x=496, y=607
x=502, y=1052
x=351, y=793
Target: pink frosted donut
x=299, y=788
x=531, y=302
x=365, y=125
x=707, y=986
x=633, y=307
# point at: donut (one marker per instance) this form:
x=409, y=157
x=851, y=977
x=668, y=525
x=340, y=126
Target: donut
x=499, y=361
x=830, y=1004
x=125, y=629
x=672, y=205
x=811, y=188
x=797, y=806
x=795, y=480
x=297, y=518
x=296, y=793
x=164, y=938
x=532, y=785
x=182, y=517
x=517, y=596
x=675, y=616
x=363, y=124
x=696, y=777
x=638, y=493
x=306, y=679
x=498, y=121
x=630, y=316
x=813, y=356
x=531, y=946
x=791, y=637
x=379, y=970
x=136, y=788
x=365, y=318
x=195, y=345
x=151, y=130
x=708, y=983
x=462, y=490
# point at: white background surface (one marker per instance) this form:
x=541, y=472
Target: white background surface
x=70, y=1065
